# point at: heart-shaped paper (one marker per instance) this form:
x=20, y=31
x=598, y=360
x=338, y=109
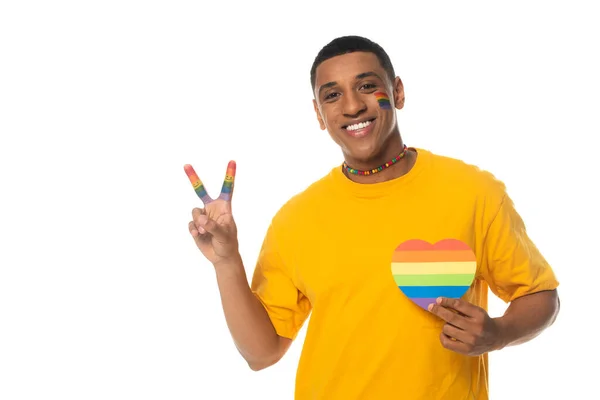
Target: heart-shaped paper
x=425, y=271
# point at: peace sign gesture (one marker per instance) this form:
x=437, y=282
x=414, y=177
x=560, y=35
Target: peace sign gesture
x=213, y=227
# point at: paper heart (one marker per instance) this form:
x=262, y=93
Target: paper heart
x=425, y=271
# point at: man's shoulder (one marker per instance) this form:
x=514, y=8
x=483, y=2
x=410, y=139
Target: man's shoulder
x=461, y=172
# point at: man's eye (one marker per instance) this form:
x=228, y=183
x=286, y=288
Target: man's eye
x=368, y=86
x=332, y=96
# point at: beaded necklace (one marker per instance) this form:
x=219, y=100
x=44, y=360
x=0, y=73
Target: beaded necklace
x=378, y=169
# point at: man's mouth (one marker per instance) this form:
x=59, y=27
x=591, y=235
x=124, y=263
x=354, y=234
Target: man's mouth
x=360, y=129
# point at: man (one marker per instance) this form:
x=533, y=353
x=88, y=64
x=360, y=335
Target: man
x=330, y=252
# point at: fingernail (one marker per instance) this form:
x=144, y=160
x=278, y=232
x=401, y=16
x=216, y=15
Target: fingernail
x=201, y=230
x=430, y=307
x=439, y=300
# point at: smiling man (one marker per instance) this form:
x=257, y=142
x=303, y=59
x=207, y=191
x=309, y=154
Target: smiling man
x=392, y=254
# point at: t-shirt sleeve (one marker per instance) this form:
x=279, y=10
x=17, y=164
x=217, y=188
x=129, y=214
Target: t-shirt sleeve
x=273, y=285
x=512, y=264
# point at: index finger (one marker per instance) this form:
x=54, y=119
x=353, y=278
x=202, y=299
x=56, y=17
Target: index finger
x=449, y=315
x=228, y=184
x=197, y=184
x=463, y=307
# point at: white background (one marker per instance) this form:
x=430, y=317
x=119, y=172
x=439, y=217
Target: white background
x=103, y=294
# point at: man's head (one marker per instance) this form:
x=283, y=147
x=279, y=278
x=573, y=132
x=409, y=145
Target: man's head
x=351, y=44
x=351, y=78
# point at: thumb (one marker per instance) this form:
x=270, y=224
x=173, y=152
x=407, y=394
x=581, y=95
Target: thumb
x=213, y=228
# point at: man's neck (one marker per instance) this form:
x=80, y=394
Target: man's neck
x=400, y=168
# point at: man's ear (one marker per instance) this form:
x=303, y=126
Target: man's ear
x=398, y=93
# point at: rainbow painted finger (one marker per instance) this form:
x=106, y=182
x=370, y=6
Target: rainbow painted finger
x=424, y=271
x=197, y=184
x=227, y=189
x=383, y=100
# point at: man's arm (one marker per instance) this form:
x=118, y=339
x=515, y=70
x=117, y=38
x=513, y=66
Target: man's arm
x=252, y=330
x=516, y=272
x=527, y=316
x=215, y=233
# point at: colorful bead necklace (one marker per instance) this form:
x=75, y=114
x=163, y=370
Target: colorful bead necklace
x=378, y=169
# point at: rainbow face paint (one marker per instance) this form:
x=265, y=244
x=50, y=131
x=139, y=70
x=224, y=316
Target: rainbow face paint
x=197, y=184
x=383, y=100
x=227, y=189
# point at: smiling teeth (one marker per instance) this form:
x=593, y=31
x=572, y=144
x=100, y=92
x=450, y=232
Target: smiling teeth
x=358, y=126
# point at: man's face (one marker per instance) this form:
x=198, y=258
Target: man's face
x=347, y=90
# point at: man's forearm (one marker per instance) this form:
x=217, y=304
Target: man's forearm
x=249, y=324
x=527, y=316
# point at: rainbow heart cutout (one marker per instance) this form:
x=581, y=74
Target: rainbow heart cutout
x=425, y=271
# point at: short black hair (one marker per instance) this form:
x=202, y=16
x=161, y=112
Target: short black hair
x=350, y=44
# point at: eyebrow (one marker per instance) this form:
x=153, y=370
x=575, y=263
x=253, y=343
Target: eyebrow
x=359, y=76
x=367, y=74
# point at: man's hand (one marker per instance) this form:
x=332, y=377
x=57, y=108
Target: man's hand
x=212, y=227
x=469, y=330
x=214, y=232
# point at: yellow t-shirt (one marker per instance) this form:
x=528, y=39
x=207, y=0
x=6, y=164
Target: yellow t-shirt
x=328, y=254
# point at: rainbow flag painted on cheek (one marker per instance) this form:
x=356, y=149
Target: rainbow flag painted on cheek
x=383, y=100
